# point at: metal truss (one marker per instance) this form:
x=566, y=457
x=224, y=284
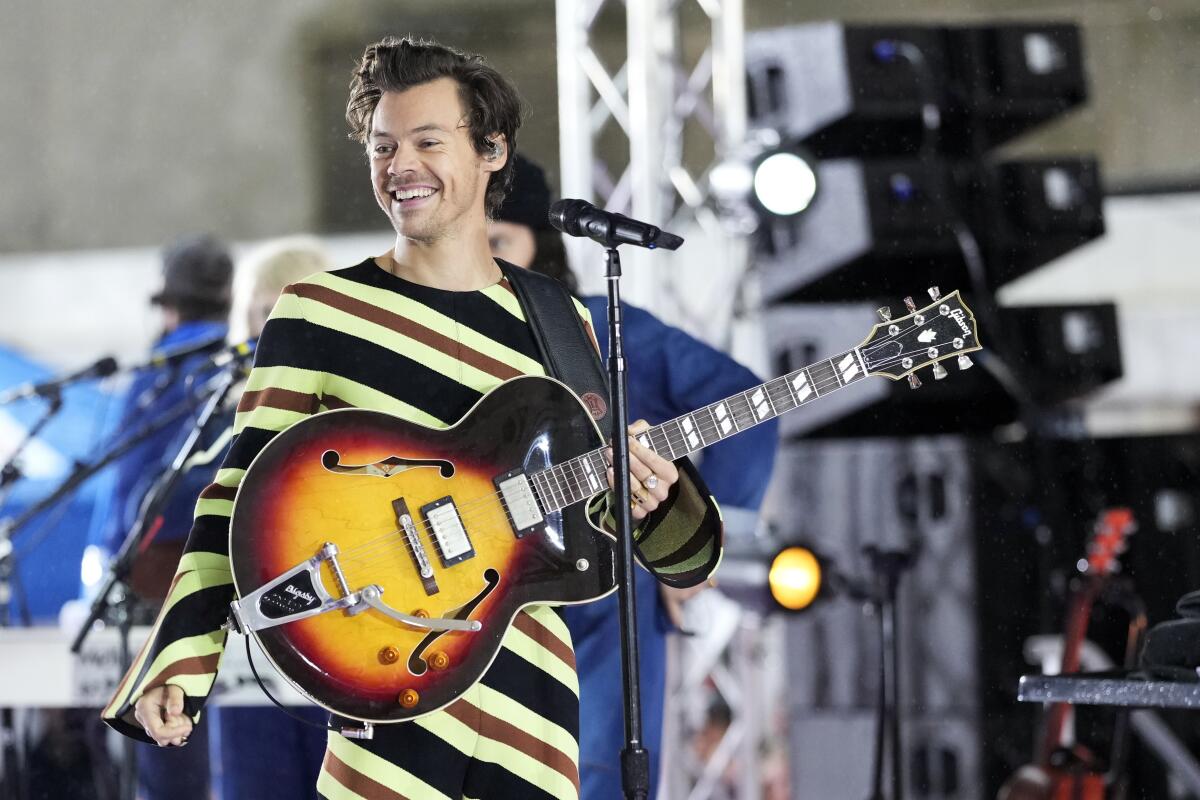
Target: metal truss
x=653, y=98
x=725, y=734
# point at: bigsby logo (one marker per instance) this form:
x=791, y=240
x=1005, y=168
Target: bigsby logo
x=294, y=592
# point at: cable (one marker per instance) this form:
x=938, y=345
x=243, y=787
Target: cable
x=262, y=685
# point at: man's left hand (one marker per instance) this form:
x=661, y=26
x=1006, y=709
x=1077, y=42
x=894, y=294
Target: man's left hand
x=651, y=475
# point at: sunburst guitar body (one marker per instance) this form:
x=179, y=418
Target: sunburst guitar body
x=350, y=478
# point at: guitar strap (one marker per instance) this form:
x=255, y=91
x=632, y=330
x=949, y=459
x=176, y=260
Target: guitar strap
x=568, y=352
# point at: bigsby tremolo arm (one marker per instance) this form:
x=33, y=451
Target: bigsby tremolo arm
x=299, y=593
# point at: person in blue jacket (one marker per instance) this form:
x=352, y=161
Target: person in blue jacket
x=194, y=302
x=669, y=374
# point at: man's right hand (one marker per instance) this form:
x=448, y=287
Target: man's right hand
x=160, y=712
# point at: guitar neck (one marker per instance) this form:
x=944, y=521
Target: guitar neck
x=584, y=476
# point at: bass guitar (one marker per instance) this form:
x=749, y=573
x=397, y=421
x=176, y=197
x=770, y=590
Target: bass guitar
x=379, y=563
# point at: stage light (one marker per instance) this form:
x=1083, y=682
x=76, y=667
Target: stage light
x=795, y=578
x=785, y=183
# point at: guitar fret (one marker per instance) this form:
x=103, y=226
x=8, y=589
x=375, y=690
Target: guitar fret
x=557, y=487
x=723, y=419
x=801, y=385
x=714, y=434
x=783, y=399
x=677, y=441
x=661, y=443
x=691, y=433
x=761, y=403
x=824, y=378
x=574, y=486
x=594, y=482
x=601, y=467
x=542, y=482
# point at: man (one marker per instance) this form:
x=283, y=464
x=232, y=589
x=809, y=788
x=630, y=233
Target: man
x=670, y=374
x=422, y=332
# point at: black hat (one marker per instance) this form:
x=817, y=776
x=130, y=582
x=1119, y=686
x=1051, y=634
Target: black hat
x=528, y=200
x=197, y=270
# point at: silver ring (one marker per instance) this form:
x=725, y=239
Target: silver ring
x=651, y=482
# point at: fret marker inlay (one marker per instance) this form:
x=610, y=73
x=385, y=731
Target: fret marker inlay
x=723, y=420
x=689, y=432
x=849, y=367
x=761, y=409
x=801, y=387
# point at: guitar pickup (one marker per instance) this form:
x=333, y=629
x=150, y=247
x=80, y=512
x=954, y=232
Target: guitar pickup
x=519, y=501
x=446, y=527
x=408, y=529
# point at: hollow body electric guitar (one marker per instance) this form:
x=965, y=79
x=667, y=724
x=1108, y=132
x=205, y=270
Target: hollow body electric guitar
x=379, y=563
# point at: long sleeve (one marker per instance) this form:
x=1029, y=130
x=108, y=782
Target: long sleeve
x=187, y=641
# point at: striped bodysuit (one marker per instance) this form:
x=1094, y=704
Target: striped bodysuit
x=362, y=337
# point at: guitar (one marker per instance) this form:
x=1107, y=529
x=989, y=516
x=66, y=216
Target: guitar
x=379, y=563
x=1078, y=779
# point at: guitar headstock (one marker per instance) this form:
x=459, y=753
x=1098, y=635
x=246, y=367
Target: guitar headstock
x=944, y=329
x=1113, y=527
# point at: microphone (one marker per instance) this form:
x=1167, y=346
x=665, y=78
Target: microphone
x=222, y=354
x=167, y=358
x=581, y=218
x=101, y=369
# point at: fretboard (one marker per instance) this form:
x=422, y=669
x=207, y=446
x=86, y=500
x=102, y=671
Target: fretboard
x=583, y=476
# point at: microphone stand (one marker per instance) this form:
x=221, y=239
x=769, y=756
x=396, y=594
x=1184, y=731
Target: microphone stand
x=10, y=473
x=115, y=599
x=888, y=566
x=635, y=759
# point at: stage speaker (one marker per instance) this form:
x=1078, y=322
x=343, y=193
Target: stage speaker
x=846, y=90
x=885, y=227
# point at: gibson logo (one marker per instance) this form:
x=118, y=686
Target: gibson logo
x=960, y=318
x=294, y=592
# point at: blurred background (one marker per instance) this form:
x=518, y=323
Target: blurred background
x=1038, y=157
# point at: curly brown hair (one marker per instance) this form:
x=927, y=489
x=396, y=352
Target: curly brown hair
x=493, y=106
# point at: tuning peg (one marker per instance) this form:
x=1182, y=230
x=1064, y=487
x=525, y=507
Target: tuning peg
x=964, y=362
x=935, y=293
x=914, y=382
x=910, y=305
x=884, y=313
x=939, y=372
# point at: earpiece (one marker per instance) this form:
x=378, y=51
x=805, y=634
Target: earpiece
x=495, y=150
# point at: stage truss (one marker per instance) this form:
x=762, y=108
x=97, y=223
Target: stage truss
x=655, y=101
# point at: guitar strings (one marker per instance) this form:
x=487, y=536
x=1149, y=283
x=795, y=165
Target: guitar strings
x=479, y=509
x=469, y=510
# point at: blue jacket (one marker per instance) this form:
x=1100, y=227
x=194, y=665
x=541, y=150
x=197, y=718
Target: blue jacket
x=671, y=373
x=153, y=393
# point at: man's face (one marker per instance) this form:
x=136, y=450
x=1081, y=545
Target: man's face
x=512, y=242
x=426, y=175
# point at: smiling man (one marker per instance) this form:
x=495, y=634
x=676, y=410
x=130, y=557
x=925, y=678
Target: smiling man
x=421, y=332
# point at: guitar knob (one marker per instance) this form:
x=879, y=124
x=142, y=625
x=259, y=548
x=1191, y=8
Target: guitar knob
x=964, y=362
x=910, y=305
x=935, y=293
x=939, y=372
x=409, y=698
x=914, y=382
x=884, y=313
